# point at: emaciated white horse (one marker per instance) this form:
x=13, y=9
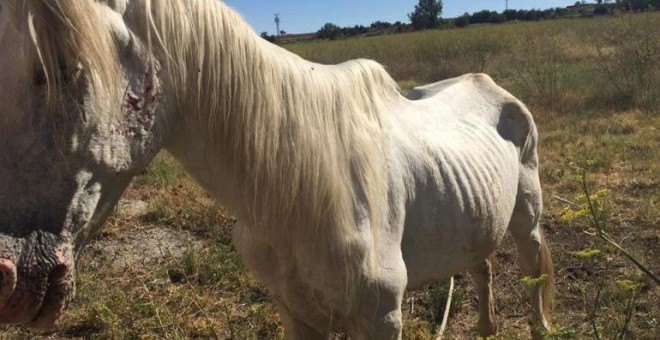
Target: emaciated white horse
x=347, y=193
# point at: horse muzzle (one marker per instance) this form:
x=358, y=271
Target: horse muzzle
x=35, y=290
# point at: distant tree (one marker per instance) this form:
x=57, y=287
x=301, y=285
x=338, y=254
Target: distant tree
x=636, y=5
x=270, y=38
x=600, y=10
x=510, y=14
x=360, y=29
x=484, y=17
x=398, y=27
x=426, y=14
x=354, y=31
x=329, y=31
x=462, y=21
x=496, y=18
x=380, y=25
x=561, y=12
x=282, y=32
x=533, y=14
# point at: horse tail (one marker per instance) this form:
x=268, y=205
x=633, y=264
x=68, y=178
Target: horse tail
x=546, y=268
x=536, y=259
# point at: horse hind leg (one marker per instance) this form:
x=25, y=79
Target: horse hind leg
x=535, y=259
x=483, y=277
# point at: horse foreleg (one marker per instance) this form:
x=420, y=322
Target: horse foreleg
x=483, y=276
x=384, y=325
x=295, y=329
x=379, y=313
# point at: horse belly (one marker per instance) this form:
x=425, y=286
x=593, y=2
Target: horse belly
x=461, y=209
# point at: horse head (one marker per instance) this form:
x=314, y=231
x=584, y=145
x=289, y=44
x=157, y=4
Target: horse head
x=78, y=119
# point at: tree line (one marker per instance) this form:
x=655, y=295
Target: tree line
x=427, y=14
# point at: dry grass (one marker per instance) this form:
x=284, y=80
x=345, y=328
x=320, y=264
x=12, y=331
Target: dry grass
x=563, y=69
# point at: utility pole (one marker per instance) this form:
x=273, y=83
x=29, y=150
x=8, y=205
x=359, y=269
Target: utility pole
x=277, y=24
x=507, y=5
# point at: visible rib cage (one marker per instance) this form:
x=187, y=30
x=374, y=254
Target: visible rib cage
x=472, y=173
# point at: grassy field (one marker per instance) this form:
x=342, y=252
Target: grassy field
x=593, y=87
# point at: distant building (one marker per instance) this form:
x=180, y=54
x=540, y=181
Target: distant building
x=290, y=38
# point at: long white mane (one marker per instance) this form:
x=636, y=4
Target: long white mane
x=66, y=35
x=302, y=138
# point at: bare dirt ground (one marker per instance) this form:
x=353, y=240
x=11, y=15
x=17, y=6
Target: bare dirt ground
x=142, y=244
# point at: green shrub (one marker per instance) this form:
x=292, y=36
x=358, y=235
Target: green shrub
x=630, y=58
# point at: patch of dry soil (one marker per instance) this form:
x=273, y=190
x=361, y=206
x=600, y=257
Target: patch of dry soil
x=141, y=244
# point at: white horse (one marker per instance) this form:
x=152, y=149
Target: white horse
x=347, y=193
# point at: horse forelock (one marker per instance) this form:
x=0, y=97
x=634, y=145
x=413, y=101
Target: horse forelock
x=306, y=140
x=66, y=36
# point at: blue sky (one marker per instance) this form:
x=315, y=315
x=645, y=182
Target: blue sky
x=302, y=16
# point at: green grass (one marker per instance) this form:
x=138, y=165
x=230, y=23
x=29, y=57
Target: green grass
x=562, y=69
x=563, y=59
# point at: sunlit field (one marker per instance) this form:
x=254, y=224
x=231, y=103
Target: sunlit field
x=593, y=86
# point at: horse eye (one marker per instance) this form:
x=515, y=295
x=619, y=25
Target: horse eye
x=64, y=72
x=39, y=77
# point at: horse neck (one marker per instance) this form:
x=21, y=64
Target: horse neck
x=282, y=142
x=231, y=113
